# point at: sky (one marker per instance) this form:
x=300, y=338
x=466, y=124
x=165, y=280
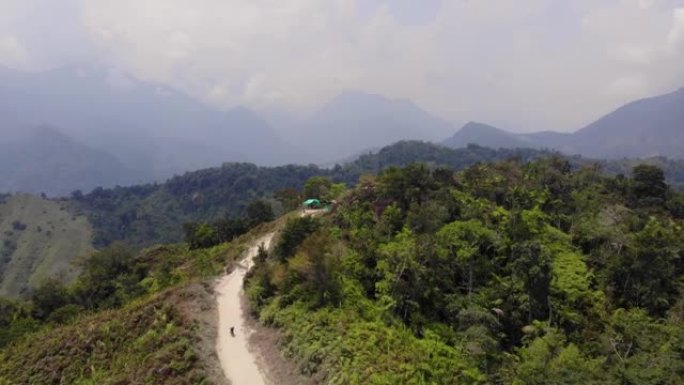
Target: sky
x=523, y=65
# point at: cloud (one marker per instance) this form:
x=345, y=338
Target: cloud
x=528, y=64
x=12, y=54
x=675, y=38
x=50, y=32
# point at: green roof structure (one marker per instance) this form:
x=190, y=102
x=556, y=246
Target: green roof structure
x=312, y=202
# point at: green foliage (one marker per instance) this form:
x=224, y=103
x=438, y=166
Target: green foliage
x=145, y=343
x=151, y=214
x=258, y=212
x=294, y=233
x=649, y=184
x=48, y=297
x=154, y=213
x=317, y=187
x=649, y=272
x=200, y=235
x=128, y=318
x=505, y=273
x=549, y=359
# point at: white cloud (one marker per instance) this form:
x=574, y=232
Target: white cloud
x=531, y=64
x=12, y=54
x=675, y=38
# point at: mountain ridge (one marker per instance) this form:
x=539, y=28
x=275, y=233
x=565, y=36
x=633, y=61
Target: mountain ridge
x=643, y=128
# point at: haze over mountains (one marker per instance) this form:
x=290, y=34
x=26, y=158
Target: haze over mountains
x=153, y=129
x=354, y=122
x=644, y=128
x=71, y=128
x=147, y=132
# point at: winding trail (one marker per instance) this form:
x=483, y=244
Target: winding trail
x=239, y=364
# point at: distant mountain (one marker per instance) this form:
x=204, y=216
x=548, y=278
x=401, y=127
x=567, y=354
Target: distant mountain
x=487, y=136
x=152, y=128
x=355, y=121
x=547, y=139
x=43, y=159
x=645, y=128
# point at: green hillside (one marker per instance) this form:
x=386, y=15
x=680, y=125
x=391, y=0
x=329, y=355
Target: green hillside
x=504, y=273
x=149, y=214
x=146, y=342
x=128, y=318
x=508, y=272
x=39, y=238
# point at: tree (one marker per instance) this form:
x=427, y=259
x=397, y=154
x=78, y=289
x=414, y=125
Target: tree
x=295, y=232
x=48, y=297
x=228, y=229
x=258, y=212
x=646, y=274
x=317, y=187
x=108, y=277
x=200, y=235
x=470, y=247
x=550, y=360
x=532, y=266
x=289, y=198
x=649, y=185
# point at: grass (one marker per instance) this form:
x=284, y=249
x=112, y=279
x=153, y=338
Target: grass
x=39, y=238
x=150, y=341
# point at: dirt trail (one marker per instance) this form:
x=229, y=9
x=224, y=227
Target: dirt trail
x=238, y=362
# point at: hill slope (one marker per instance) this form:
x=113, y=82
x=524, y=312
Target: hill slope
x=144, y=124
x=355, y=121
x=504, y=273
x=42, y=159
x=648, y=127
x=149, y=214
x=38, y=239
x=644, y=128
x=487, y=136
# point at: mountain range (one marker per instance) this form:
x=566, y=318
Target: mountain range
x=644, y=128
x=43, y=160
x=149, y=132
x=74, y=128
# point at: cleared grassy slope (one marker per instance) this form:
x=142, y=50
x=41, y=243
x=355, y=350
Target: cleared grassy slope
x=39, y=238
x=150, y=341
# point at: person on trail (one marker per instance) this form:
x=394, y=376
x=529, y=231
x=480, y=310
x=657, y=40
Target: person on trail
x=232, y=331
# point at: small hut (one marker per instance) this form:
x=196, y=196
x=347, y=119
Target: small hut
x=311, y=204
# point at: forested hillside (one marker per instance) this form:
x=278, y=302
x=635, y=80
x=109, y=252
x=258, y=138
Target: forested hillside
x=508, y=272
x=148, y=214
x=503, y=273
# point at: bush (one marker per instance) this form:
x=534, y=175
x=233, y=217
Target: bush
x=295, y=232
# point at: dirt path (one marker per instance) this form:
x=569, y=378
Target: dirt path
x=238, y=362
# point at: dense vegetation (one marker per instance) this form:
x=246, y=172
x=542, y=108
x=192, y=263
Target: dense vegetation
x=503, y=273
x=154, y=213
x=150, y=214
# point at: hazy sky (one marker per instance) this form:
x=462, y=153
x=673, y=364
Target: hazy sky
x=521, y=64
